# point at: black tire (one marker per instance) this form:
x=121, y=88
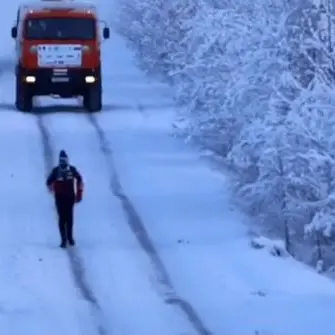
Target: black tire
x=93, y=98
x=23, y=97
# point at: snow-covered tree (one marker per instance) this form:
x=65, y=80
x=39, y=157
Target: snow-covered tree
x=255, y=79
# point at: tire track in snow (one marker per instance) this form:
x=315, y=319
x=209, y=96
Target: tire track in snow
x=136, y=225
x=75, y=262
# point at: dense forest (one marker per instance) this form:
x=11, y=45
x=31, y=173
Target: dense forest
x=254, y=83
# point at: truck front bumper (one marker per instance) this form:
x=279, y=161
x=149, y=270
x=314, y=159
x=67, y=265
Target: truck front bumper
x=58, y=81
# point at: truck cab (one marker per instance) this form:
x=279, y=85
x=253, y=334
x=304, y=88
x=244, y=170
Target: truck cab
x=58, y=52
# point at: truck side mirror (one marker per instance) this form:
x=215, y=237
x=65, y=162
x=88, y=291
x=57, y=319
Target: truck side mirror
x=14, y=32
x=106, y=33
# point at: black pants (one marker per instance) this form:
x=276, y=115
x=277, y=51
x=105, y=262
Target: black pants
x=64, y=208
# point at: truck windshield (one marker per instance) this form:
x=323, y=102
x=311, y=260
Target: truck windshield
x=60, y=29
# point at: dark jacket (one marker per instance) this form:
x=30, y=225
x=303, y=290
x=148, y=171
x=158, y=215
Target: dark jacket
x=62, y=182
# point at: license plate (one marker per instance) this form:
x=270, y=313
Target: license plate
x=60, y=80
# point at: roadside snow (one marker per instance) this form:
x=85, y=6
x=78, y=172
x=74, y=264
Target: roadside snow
x=274, y=247
x=201, y=238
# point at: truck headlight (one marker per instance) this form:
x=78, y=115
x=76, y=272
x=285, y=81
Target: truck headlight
x=90, y=79
x=30, y=79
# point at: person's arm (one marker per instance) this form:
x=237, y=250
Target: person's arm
x=51, y=179
x=77, y=175
x=79, y=183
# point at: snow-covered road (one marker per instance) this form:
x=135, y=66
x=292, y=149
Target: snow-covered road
x=119, y=273
x=160, y=250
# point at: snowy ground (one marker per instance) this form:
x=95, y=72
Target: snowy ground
x=160, y=249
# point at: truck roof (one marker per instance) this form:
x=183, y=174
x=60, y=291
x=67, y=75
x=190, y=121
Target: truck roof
x=40, y=6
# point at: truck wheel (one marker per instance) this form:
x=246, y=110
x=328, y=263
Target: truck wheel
x=23, y=97
x=93, y=98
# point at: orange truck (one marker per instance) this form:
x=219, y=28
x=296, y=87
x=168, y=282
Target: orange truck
x=58, y=52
